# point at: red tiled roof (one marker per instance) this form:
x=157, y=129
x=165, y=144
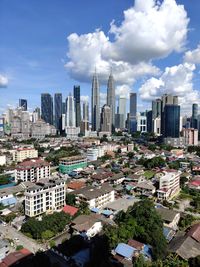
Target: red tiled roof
x=195, y=183
x=70, y=210
x=76, y=185
x=135, y=244
x=194, y=232
x=15, y=257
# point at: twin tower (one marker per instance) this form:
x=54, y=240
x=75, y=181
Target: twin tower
x=96, y=101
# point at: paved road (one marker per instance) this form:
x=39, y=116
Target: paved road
x=11, y=233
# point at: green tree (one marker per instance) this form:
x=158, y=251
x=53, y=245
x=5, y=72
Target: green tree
x=47, y=234
x=70, y=199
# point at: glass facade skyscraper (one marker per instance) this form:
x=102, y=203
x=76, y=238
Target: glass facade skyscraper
x=47, y=108
x=95, y=103
x=23, y=104
x=58, y=111
x=133, y=113
x=77, y=100
x=194, y=122
x=172, y=121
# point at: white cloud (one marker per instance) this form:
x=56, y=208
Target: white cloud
x=193, y=56
x=176, y=80
x=123, y=91
x=3, y=81
x=149, y=30
x=84, y=98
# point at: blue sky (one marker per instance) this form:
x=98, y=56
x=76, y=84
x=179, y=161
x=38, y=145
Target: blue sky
x=33, y=46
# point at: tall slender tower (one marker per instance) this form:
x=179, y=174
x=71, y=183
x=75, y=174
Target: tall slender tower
x=58, y=111
x=47, y=108
x=95, y=103
x=77, y=104
x=111, y=98
x=194, y=116
x=70, y=112
x=133, y=113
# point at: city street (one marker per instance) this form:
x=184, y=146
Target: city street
x=11, y=233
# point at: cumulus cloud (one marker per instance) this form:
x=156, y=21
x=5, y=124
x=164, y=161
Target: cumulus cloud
x=123, y=91
x=3, y=81
x=193, y=56
x=84, y=98
x=176, y=80
x=149, y=30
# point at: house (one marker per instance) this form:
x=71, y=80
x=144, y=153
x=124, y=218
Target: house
x=185, y=246
x=15, y=257
x=96, y=197
x=169, y=217
x=194, y=232
x=125, y=251
x=122, y=204
x=75, y=185
x=140, y=249
x=87, y=225
x=4, y=248
x=117, y=178
x=70, y=210
x=194, y=184
x=145, y=188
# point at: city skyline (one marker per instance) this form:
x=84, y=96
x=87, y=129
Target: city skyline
x=28, y=79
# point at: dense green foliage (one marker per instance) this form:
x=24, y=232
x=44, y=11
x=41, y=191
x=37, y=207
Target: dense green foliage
x=47, y=227
x=142, y=223
x=152, y=163
x=4, y=179
x=70, y=199
x=186, y=221
x=55, y=155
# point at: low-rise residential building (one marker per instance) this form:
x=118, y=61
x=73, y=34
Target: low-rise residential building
x=87, y=225
x=32, y=170
x=71, y=163
x=21, y=154
x=46, y=196
x=169, y=184
x=96, y=197
x=145, y=188
x=7, y=199
x=2, y=160
x=170, y=217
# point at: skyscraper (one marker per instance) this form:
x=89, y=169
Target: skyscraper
x=172, y=121
x=58, y=111
x=122, y=110
x=63, y=108
x=47, y=108
x=166, y=100
x=133, y=113
x=85, y=120
x=23, y=104
x=111, y=98
x=70, y=111
x=77, y=104
x=106, y=119
x=95, y=103
x=156, y=108
x=195, y=116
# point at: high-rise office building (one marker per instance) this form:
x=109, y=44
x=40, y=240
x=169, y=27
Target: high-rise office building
x=47, y=108
x=63, y=108
x=133, y=113
x=156, y=108
x=194, y=120
x=84, y=126
x=111, y=98
x=172, y=121
x=58, y=111
x=106, y=122
x=122, y=111
x=23, y=104
x=167, y=100
x=95, y=103
x=77, y=99
x=70, y=111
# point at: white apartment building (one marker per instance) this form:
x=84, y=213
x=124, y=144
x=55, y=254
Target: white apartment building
x=32, y=170
x=96, y=197
x=2, y=160
x=46, y=196
x=142, y=123
x=21, y=154
x=169, y=184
